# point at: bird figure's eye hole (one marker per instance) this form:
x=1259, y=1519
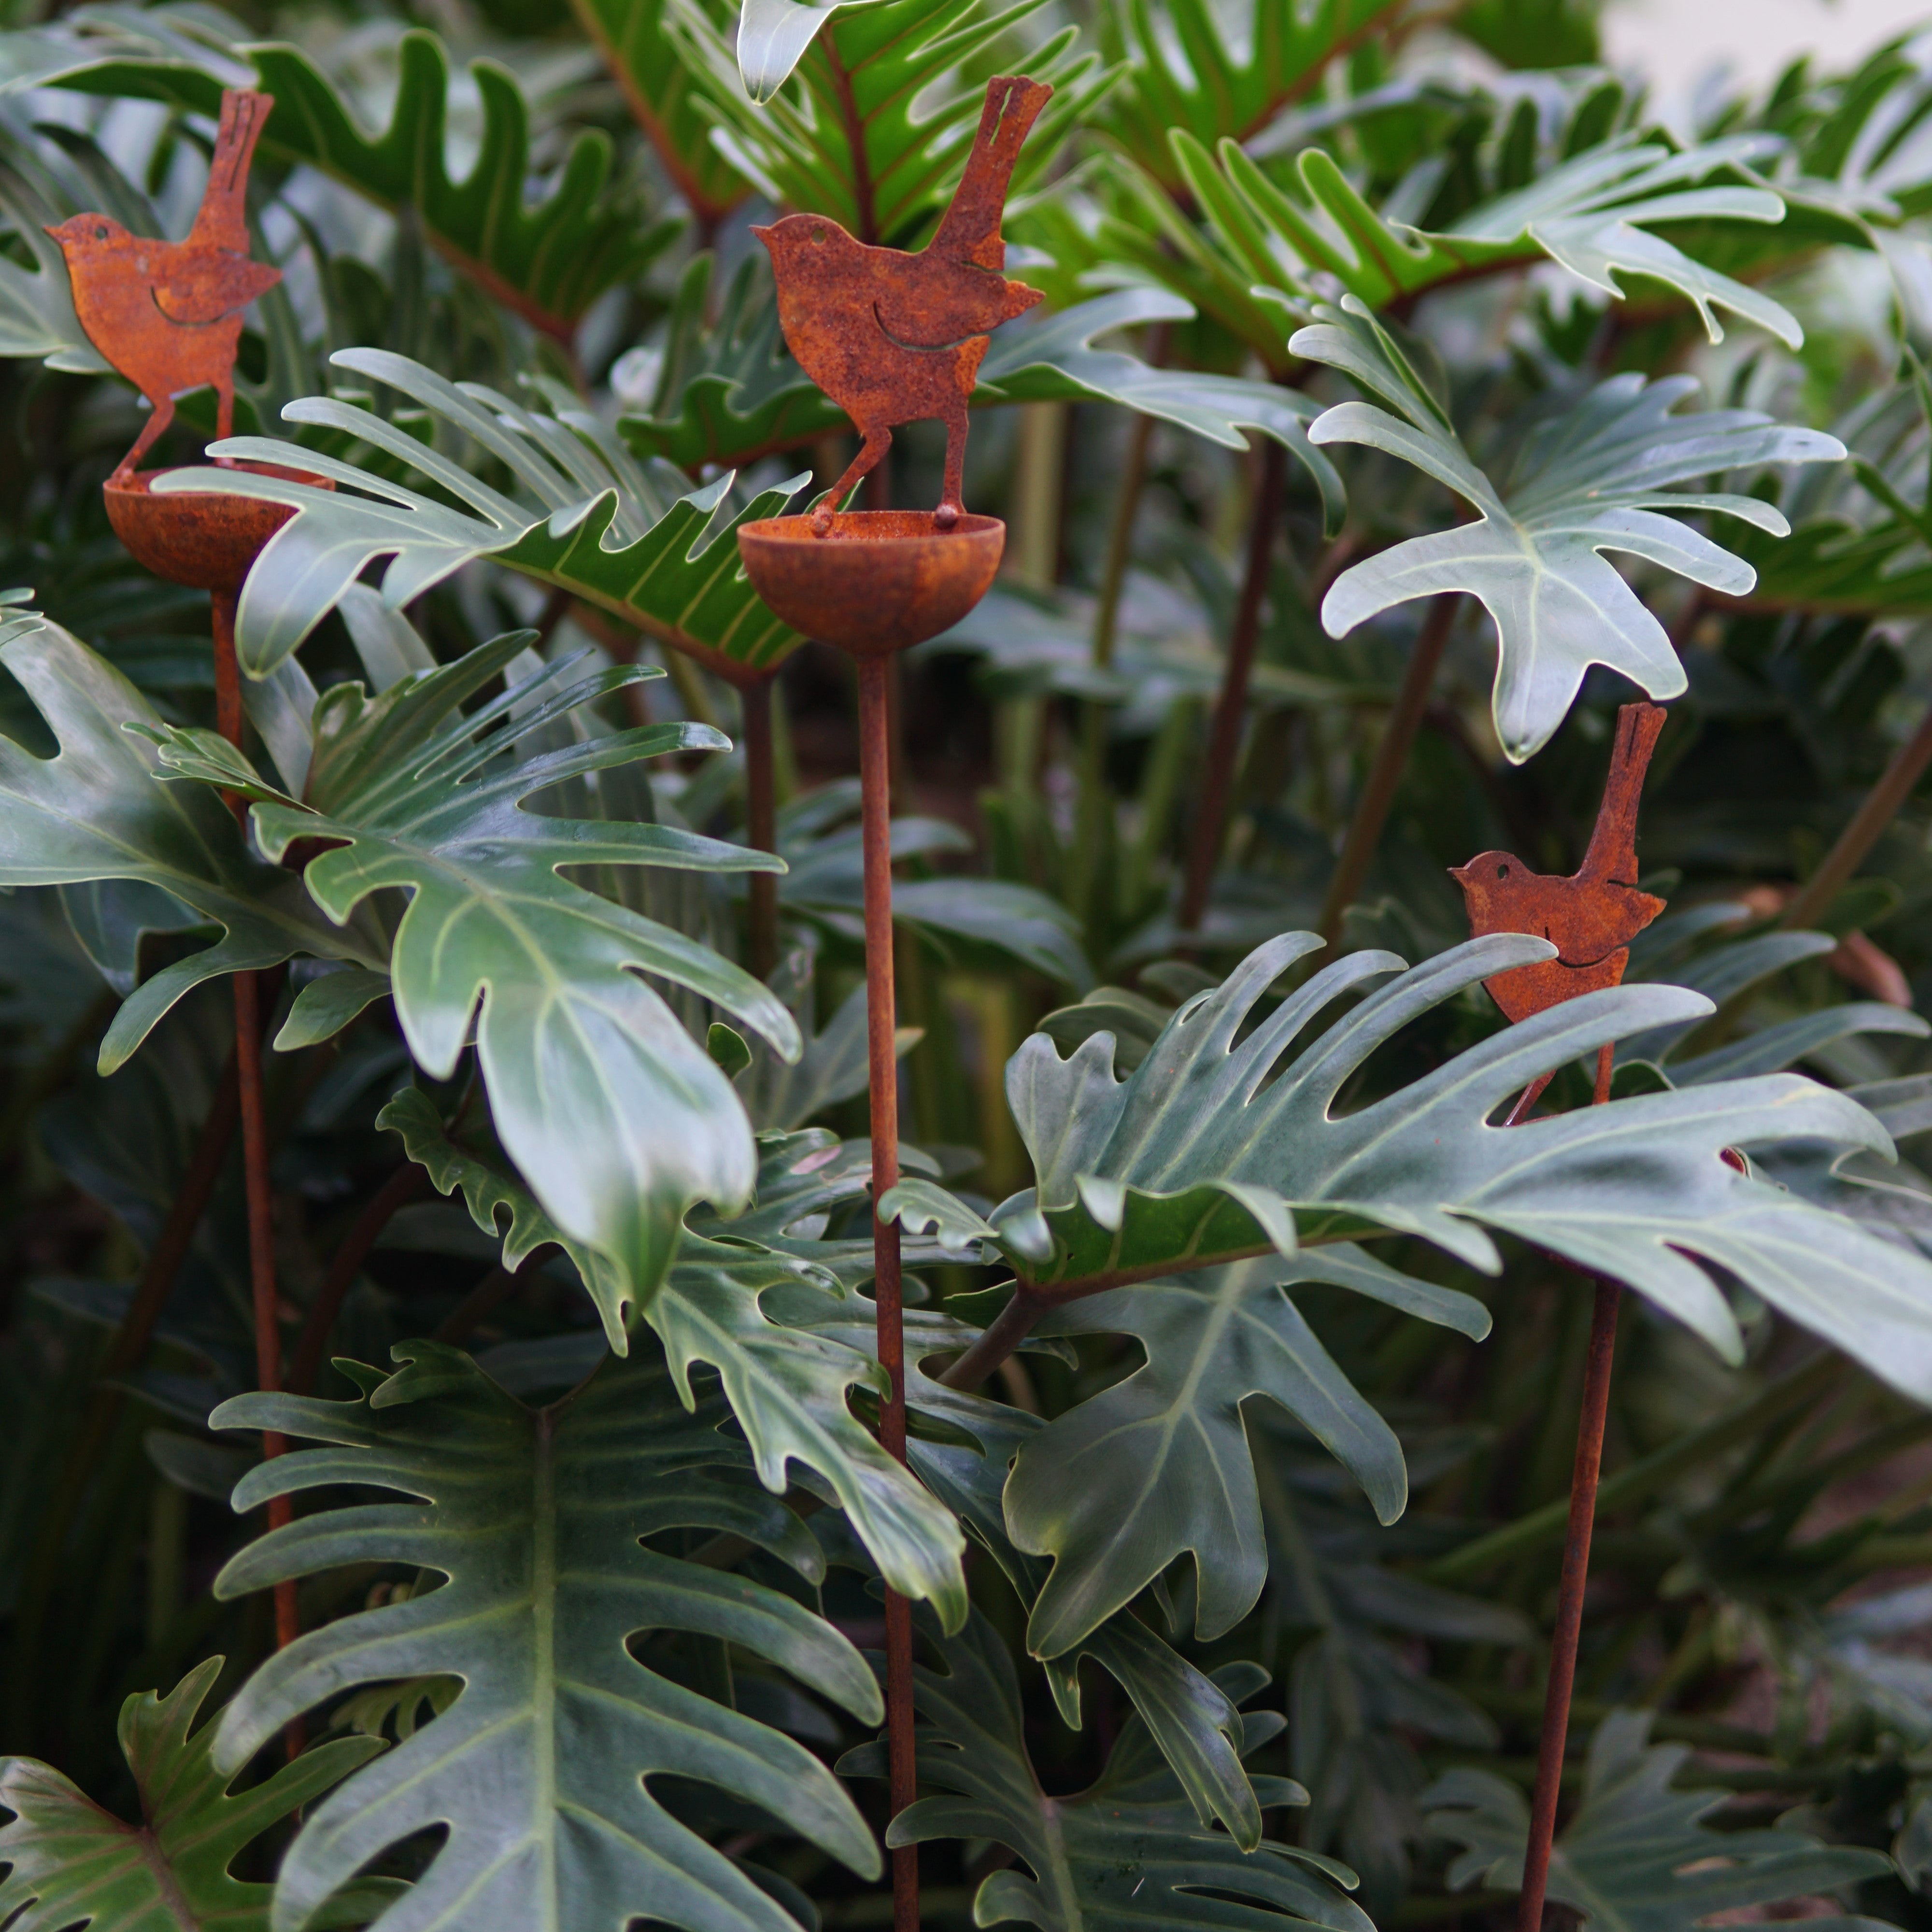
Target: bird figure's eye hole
x=1502, y=871
x=101, y=235
x=818, y=236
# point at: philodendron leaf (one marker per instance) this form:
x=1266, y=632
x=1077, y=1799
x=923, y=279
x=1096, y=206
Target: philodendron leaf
x=538, y=1519
x=1637, y=1856
x=1192, y=1720
x=875, y=128
x=587, y=519
x=1128, y=1851
x=1055, y=360
x=618, y=1117
x=1213, y=1149
x=1593, y=214
x=1159, y=1464
x=643, y=60
x=71, y=1865
x=95, y=811
x=1227, y=82
x=548, y=260
x=787, y=1385
x=1588, y=481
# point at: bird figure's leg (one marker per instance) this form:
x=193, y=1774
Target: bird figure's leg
x=878, y=441
x=159, y=417
x=952, y=505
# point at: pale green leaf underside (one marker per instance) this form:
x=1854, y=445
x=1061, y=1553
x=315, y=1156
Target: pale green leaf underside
x=1590, y=480
x=618, y=1118
x=1212, y=1149
x=587, y=519
x=96, y=812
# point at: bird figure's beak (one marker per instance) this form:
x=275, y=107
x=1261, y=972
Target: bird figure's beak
x=1460, y=874
x=763, y=234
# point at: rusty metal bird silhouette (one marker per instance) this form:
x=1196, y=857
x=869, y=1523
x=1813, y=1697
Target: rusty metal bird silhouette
x=1591, y=916
x=168, y=314
x=893, y=338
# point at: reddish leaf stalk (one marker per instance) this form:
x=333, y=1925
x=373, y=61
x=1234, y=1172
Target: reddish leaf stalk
x=404, y=1186
x=875, y=783
x=1231, y=708
x=1404, y=720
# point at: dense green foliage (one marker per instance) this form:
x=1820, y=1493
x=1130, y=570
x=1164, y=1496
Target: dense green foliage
x=1407, y=345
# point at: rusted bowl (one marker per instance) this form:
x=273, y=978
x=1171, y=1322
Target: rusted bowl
x=204, y=539
x=878, y=580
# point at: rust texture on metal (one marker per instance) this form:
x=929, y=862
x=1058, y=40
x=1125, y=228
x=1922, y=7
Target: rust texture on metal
x=878, y=581
x=168, y=314
x=1575, y=1579
x=882, y=1058
x=208, y=540
x=1590, y=917
x=895, y=338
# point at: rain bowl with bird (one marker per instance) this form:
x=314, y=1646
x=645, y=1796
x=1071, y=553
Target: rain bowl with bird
x=877, y=581
x=207, y=539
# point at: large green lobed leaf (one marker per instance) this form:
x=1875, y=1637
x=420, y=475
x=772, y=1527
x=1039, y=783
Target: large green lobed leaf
x=1222, y=1143
x=549, y=261
x=94, y=811
x=586, y=519
x=620, y=1120
x=1638, y=1856
x=536, y=1519
x=72, y=1865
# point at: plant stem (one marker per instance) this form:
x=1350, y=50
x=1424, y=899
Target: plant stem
x=1096, y=804
x=875, y=787
x=1570, y=1604
x=761, y=934
x=1224, y=740
x=1003, y=1335
x=1372, y=810
x=124, y=1351
x=256, y=1180
x=401, y=1188
x=1598, y=1363
x=1882, y=805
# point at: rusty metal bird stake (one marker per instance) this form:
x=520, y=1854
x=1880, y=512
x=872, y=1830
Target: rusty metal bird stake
x=893, y=338
x=1591, y=918
x=168, y=316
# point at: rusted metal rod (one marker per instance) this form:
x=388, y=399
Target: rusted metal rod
x=875, y=784
x=761, y=826
x=1224, y=740
x=255, y=1134
x=1575, y=1579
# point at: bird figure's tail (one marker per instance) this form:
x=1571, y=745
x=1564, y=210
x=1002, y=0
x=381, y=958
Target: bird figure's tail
x=222, y=219
x=1612, y=853
x=971, y=229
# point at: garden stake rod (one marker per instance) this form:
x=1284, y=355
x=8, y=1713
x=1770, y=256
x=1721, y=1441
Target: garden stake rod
x=891, y=337
x=168, y=316
x=1590, y=917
